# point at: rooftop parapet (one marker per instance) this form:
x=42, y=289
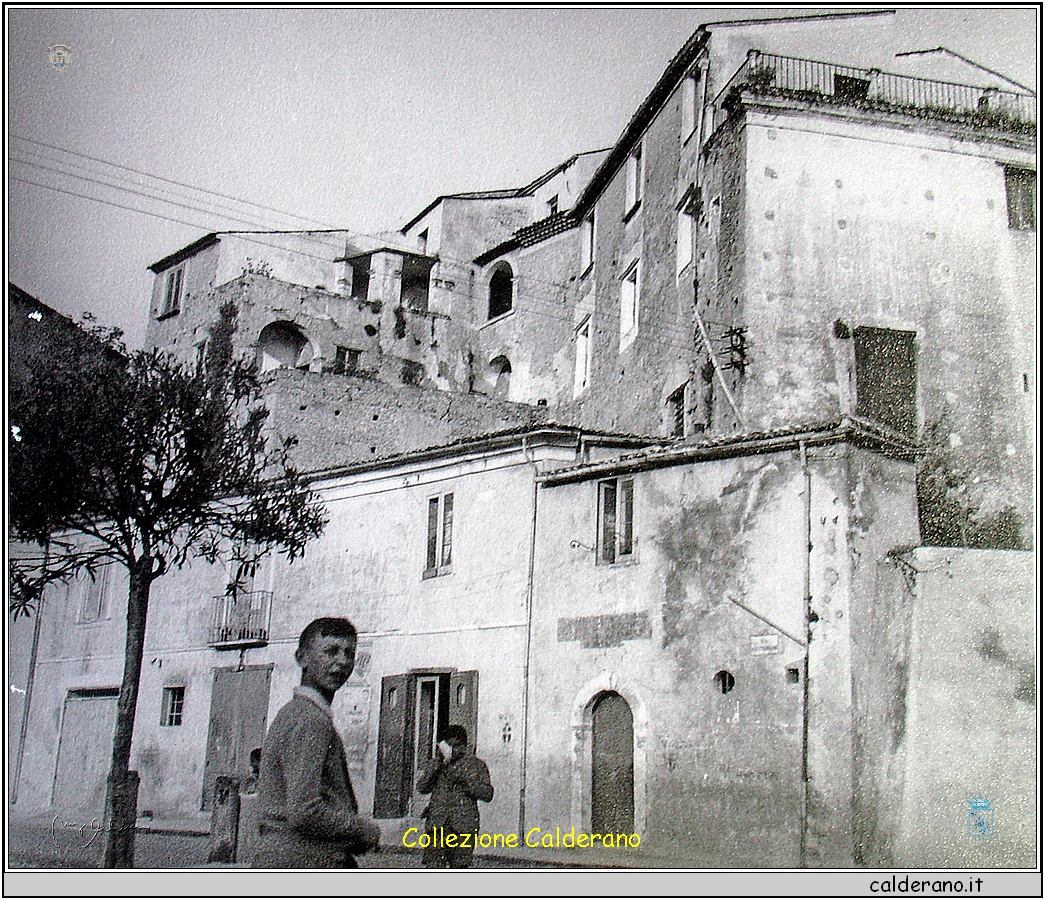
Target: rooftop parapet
x=764, y=74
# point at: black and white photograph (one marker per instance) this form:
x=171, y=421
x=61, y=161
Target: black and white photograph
x=558, y=439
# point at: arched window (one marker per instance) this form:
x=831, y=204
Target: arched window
x=499, y=375
x=500, y=291
x=282, y=346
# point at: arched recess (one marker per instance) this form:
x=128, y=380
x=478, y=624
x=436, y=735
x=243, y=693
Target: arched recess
x=501, y=291
x=584, y=704
x=282, y=345
x=499, y=376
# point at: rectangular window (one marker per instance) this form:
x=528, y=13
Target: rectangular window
x=92, y=605
x=201, y=355
x=346, y=361
x=173, y=705
x=886, y=377
x=677, y=412
x=583, y=363
x=616, y=509
x=439, y=555
x=690, y=101
x=172, y=292
x=553, y=205
x=633, y=181
x=684, y=248
x=587, y=241
x=1020, y=187
x=629, y=306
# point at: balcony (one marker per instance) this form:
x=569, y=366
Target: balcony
x=240, y=620
x=764, y=74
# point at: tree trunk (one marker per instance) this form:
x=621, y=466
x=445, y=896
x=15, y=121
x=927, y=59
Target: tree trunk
x=120, y=804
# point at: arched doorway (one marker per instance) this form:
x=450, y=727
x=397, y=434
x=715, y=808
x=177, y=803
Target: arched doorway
x=612, y=765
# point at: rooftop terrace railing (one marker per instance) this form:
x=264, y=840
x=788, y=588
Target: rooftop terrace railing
x=767, y=74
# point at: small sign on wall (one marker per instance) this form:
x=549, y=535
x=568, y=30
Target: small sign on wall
x=765, y=644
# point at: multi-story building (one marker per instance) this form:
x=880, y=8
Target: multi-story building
x=621, y=470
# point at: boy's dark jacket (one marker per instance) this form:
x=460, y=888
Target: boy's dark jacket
x=455, y=787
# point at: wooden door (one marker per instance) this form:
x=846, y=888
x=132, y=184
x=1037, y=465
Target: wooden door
x=239, y=705
x=612, y=766
x=85, y=752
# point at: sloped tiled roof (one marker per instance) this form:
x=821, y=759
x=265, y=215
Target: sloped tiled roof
x=531, y=234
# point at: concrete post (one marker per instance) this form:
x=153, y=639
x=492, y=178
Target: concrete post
x=224, y=820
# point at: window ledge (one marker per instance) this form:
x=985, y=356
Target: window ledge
x=634, y=209
x=499, y=318
x=621, y=562
x=435, y=573
x=168, y=315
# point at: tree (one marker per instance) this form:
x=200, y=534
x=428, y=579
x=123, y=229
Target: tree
x=138, y=459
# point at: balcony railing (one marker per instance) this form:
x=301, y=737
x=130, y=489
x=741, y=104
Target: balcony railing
x=240, y=620
x=804, y=79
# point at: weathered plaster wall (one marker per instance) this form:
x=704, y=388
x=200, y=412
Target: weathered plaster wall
x=706, y=534
x=537, y=336
x=629, y=386
x=339, y=420
x=925, y=249
x=972, y=719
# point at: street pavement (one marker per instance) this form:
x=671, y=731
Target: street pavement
x=40, y=844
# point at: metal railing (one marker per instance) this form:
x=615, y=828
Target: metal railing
x=765, y=73
x=241, y=618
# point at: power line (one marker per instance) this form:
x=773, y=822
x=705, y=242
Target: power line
x=106, y=162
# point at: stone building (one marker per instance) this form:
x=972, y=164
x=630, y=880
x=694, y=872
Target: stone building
x=622, y=474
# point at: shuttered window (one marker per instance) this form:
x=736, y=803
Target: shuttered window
x=439, y=549
x=616, y=514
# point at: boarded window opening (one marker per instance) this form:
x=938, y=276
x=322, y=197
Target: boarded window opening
x=346, y=361
x=886, y=377
x=1020, y=186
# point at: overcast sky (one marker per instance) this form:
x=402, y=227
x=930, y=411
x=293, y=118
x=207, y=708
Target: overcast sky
x=353, y=118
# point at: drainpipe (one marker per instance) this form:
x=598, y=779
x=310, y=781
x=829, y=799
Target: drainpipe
x=803, y=841
x=526, y=652
x=30, y=678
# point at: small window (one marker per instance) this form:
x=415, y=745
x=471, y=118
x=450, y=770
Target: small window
x=724, y=681
x=201, y=355
x=1020, y=187
x=553, y=205
x=616, y=511
x=677, y=412
x=633, y=181
x=422, y=240
x=346, y=361
x=172, y=292
x=500, y=291
x=93, y=605
x=629, y=306
x=684, y=237
x=173, y=706
x=587, y=241
x=440, y=535
x=690, y=102
x=582, y=369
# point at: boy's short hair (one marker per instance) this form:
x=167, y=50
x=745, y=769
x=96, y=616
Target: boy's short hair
x=327, y=626
x=456, y=734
